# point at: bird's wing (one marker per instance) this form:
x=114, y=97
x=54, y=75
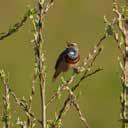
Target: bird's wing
x=60, y=59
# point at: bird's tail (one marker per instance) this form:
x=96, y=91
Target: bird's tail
x=55, y=75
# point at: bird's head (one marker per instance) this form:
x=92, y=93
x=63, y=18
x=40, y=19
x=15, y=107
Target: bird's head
x=71, y=44
x=72, y=51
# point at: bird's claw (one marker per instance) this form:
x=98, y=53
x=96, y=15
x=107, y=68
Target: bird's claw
x=76, y=70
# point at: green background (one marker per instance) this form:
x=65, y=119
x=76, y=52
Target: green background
x=76, y=20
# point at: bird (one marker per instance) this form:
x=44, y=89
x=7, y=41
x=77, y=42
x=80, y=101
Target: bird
x=69, y=58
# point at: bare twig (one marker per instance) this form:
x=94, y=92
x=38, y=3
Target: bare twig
x=6, y=99
x=94, y=53
x=39, y=55
x=116, y=37
x=29, y=121
x=119, y=16
x=85, y=75
x=15, y=27
x=123, y=27
x=67, y=101
x=60, y=89
x=20, y=24
x=76, y=105
x=24, y=106
x=82, y=118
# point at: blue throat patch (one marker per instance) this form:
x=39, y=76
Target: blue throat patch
x=72, y=53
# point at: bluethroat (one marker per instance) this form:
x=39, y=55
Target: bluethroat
x=69, y=58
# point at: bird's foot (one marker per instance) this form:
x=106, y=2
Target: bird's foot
x=76, y=70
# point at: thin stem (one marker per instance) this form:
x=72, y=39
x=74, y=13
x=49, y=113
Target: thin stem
x=24, y=106
x=15, y=27
x=40, y=61
x=6, y=99
x=82, y=118
x=123, y=28
x=66, y=104
x=76, y=105
x=39, y=55
x=37, y=21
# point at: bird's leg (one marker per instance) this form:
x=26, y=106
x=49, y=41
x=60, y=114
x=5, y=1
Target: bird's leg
x=76, y=70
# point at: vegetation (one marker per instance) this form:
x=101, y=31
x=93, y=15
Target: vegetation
x=117, y=29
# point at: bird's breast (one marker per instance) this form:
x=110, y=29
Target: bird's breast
x=72, y=61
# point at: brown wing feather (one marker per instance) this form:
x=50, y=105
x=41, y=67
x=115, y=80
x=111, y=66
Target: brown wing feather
x=58, y=64
x=60, y=59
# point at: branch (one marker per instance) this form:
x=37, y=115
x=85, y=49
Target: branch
x=20, y=24
x=119, y=43
x=85, y=75
x=82, y=118
x=76, y=105
x=24, y=106
x=21, y=103
x=37, y=21
x=119, y=16
x=67, y=101
x=123, y=28
x=60, y=89
x=94, y=53
x=6, y=100
x=15, y=27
